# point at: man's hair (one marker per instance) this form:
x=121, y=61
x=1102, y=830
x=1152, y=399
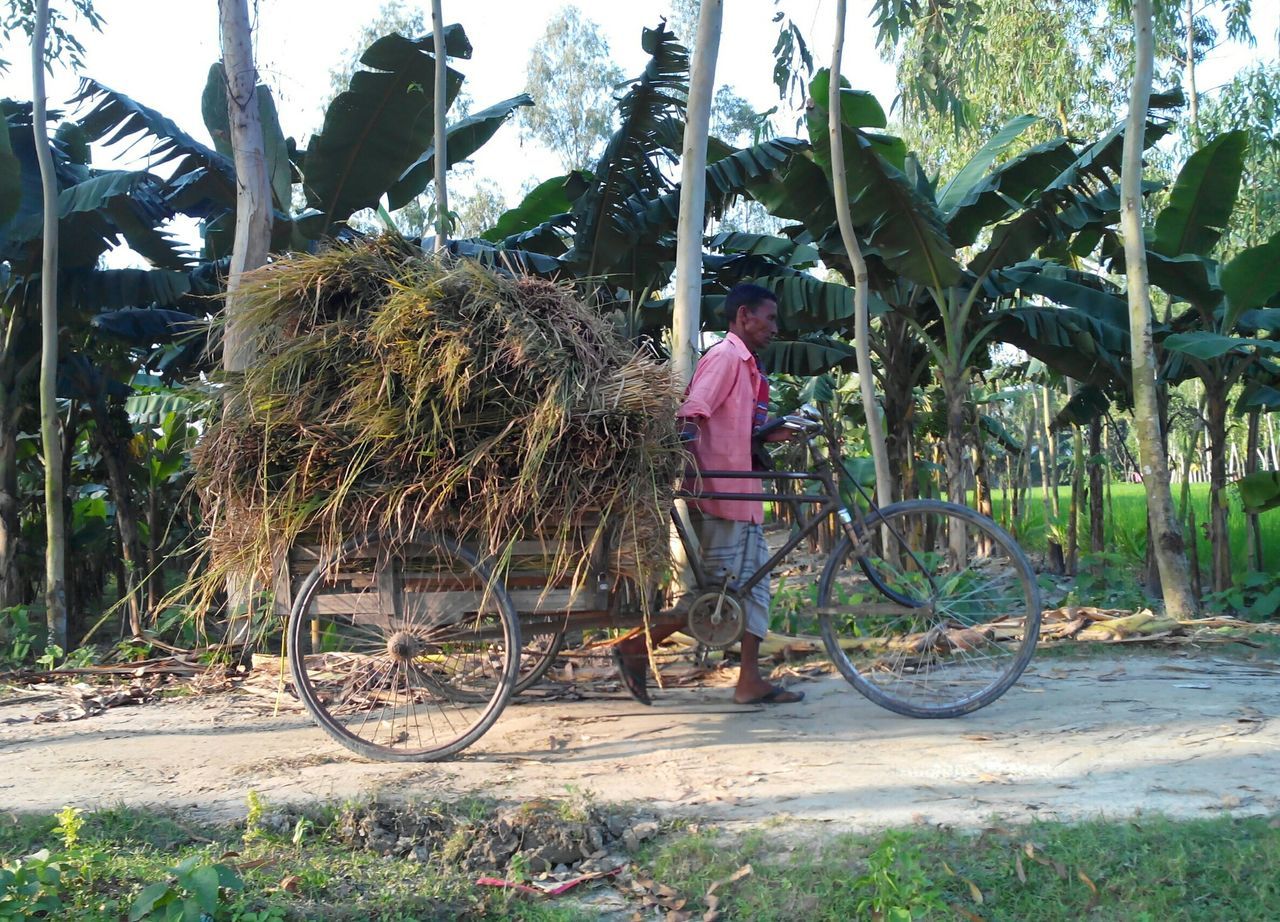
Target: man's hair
x=745, y=295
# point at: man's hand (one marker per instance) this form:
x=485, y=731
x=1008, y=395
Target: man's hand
x=776, y=432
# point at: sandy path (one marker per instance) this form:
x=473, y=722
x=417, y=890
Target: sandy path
x=1075, y=738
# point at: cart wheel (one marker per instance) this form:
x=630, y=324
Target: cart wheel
x=940, y=616
x=536, y=657
x=404, y=653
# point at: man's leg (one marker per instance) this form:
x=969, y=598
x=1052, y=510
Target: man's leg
x=753, y=687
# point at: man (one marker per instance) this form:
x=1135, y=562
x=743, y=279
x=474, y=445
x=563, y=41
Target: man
x=728, y=400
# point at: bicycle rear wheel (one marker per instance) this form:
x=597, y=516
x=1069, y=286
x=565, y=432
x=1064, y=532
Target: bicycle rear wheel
x=536, y=657
x=405, y=652
x=971, y=616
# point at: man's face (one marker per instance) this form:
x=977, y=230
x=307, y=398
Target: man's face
x=757, y=326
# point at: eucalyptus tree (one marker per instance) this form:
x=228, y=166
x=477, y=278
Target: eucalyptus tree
x=55, y=596
x=571, y=75
x=861, y=279
x=1166, y=534
x=693, y=198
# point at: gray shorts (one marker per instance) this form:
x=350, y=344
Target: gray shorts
x=738, y=548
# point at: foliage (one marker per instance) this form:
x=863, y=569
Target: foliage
x=1058, y=60
x=1109, y=579
x=1255, y=596
x=61, y=45
x=391, y=17
x=194, y=887
x=895, y=886
x=571, y=77
x=29, y=887
x=20, y=635
x=1250, y=102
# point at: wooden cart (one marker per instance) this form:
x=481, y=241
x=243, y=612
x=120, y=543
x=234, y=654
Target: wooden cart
x=410, y=651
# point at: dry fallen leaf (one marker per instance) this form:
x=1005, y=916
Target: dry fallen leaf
x=291, y=883
x=1093, y=889
x=1017, y=864
x=975, y=892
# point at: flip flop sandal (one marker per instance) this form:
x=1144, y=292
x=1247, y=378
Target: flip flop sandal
x=632, y=680
x=777, y=695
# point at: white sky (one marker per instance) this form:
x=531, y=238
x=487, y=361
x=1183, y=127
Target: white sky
x=159, y=53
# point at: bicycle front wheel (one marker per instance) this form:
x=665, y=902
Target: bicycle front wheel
x=937, y=616
x=405, y=652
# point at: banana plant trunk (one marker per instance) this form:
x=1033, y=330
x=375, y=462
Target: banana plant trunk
x=898, y=387
x=862, y=319
x=1097, y=522
x=1215, y=394
x=113, y=445
x=10, y=525
x=1167, y=536
x=1252, y=522
x=954, y=386
x=1073, y=505
x=55, y=585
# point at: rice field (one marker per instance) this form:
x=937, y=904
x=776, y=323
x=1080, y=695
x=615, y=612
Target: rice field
x=1126, y=516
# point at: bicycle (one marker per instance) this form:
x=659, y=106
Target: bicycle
x=410, y=650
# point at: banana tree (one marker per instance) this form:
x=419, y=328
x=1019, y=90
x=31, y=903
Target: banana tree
x=1216, y=338
x=947, y=301
x=614, y=227
x=375, y=150
x=97, y=210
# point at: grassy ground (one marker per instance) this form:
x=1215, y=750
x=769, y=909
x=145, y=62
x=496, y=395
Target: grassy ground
x=1152, y=868
x=1126, y=522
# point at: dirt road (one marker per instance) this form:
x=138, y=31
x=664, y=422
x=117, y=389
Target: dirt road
x=1075, y=738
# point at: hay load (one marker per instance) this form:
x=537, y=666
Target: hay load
x=396, y=392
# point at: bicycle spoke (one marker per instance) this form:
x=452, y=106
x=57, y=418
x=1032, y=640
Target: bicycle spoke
x=966, y=576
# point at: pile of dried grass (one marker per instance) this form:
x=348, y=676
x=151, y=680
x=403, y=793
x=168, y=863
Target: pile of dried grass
x=398, y=393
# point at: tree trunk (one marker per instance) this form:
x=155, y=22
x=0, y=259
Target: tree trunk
x=899, y=402
x=253, y=183
x=1073, y=510
x=954, y=445
x=1271, y=441
x=114, y=450
x=862, y=319
x=693, y=192
x=1193, y=553
x=10, y=525
x=1193, y=98
x=1252, y=523
x=1215, y=395
x=1169, y=549
x=253, y=229
x=55, y=588
x=441, y=127
x=1051, y=453
x=1048, y=464
x=1097, y=530
x=155, y=553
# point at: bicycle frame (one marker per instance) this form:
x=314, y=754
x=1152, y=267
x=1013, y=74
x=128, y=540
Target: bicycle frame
x=829, y=502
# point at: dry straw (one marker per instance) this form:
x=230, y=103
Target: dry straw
x=399, y=393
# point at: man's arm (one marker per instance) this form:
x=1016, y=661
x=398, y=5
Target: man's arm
x=712, y=381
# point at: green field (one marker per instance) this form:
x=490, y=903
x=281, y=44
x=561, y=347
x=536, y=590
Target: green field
x=1126, y=523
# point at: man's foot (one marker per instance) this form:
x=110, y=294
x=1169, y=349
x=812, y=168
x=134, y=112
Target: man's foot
x=775, y=695
x=632, y=671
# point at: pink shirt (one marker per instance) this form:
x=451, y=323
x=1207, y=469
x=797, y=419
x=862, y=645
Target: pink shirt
x=722, y=401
